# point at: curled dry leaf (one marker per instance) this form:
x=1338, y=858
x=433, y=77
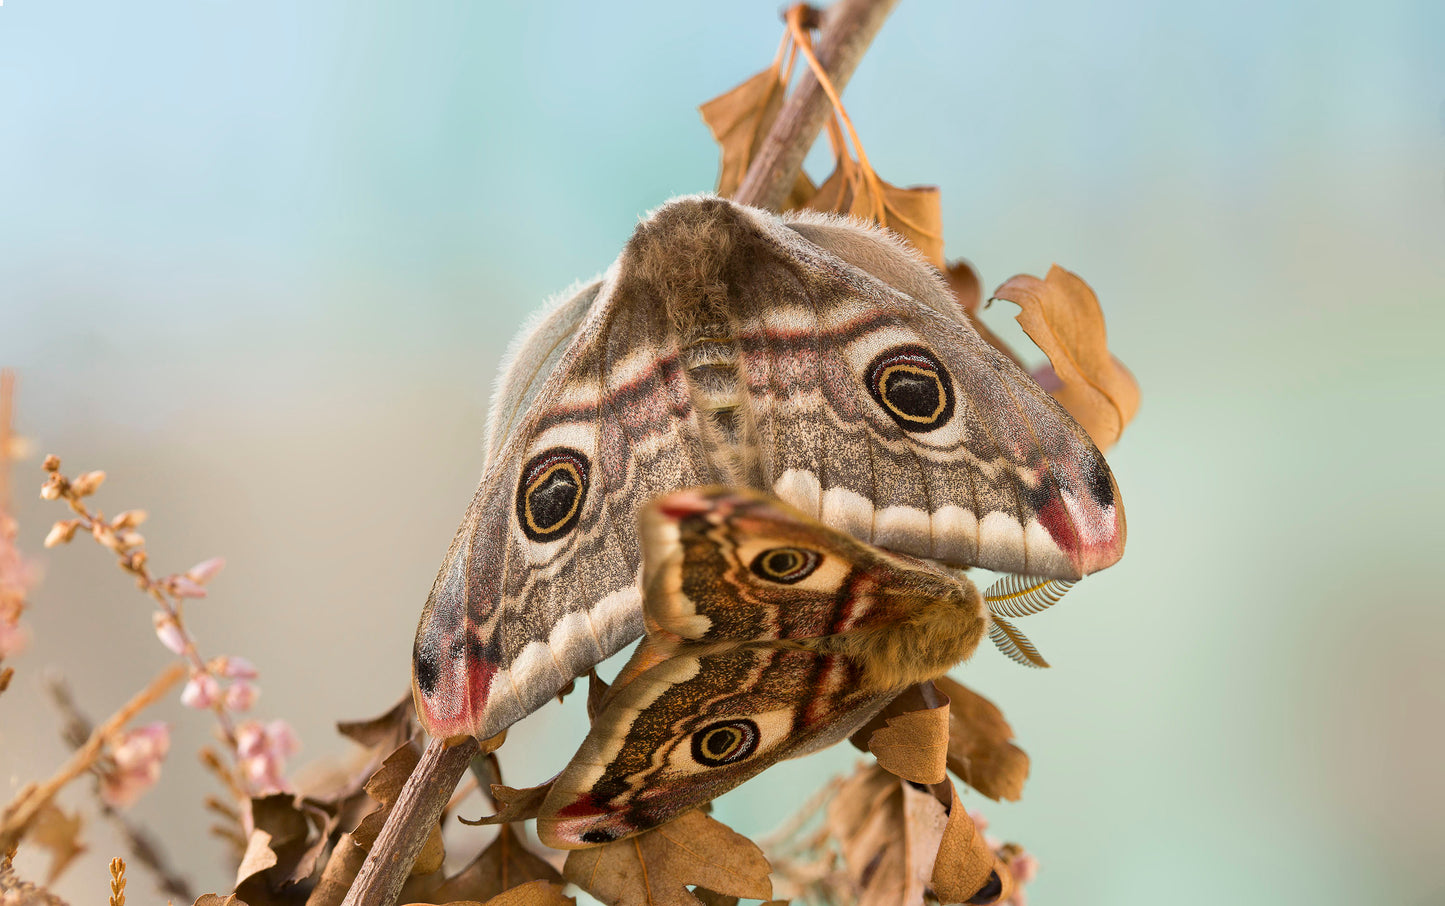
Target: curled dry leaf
x=961, y=872
x=656, y=868
x=215, y=899
x=505, y=864
x=980, y=747
x=288, y=836
x=535, y=893
x=888, y=832
x=1061, y=314
x=915, y=213
x=513, y=804
x=739, y=120
x=967, y=288
x=909, y=737
x=60, y=834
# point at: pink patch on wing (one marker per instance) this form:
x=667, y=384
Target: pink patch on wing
x=1090, y=537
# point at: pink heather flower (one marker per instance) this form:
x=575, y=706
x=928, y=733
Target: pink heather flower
x=979, y=821
x=241, y=696
x=234, y=666
x=169, y=632
x=137, y=758
x=206, y=570
x=201, y=692
x=263, y=750
x=186, y=587
x=1024, y=866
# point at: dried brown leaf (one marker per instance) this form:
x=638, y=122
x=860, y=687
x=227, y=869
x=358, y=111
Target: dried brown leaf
x=657, y=867
x=534, y=893
x=506, y=863
x=215, y=899
x=915, y=213
x=980, y=747
x=888, y=832
x=341, y=868
x=965, y=860
x=60, y=834
x=513, y=804
x=385, y=731
x=596, y=694
x=739, y=120
x=967, y=288
x=914, y=744
x=1061, y=314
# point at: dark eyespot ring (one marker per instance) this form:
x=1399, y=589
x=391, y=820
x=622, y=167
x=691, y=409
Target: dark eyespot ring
x=913, y=387
x=785, y=564
x=725, y=742
x=551, y=492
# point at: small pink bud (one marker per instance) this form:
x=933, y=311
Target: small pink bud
x=61, y=532
x=206, y=570
x=979, y=821
x=235, y=667
x=169, y=632
x=185, y=587
x=250, y=739
x=282, y=738
x=105, y=535
x=241, y=695
x=87, y=483
x=14, y=638
x=137, y=764
x=1025, y=867
x=201, y=692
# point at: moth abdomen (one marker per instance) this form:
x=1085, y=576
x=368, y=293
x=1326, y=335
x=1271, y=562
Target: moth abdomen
x=945, y=624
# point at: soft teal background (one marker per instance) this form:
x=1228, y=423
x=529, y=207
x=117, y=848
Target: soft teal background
x=258, y=260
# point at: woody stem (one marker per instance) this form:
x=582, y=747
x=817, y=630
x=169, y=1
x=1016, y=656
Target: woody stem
x=848, y=27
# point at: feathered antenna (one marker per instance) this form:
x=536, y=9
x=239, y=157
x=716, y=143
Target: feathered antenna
x=1014, y=644
x=1022, y=596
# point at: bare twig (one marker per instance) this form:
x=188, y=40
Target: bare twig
x=19, y=813
x=412, y=818
x=143, y=846
x=849, y=26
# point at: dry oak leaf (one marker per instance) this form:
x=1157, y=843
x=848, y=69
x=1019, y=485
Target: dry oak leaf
x=1061, y=314
x=909, y=737
x=340, y=871
x=915, y=213
x=980, y=750
x=967, y=288
x=657, y=867
x=215, y=899
x=513, y=804
x=535, y=893
x=739, y=121
x=966, y=869
x=505, y=863
x=888, y=832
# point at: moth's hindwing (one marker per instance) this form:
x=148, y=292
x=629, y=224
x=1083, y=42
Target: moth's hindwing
x=770, y=636
x=822, y=361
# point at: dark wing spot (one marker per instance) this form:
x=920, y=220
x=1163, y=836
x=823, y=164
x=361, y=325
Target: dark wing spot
x=551, y=493
x=911, y=385
x=425, y=667
x=725, y=742
x=598, y=836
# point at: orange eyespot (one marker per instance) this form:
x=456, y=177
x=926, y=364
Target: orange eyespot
x=551, y=492
x=786, y=564
x=725, y=742
x=913, y=387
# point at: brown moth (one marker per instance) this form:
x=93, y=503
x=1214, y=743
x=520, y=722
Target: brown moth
x=769, y=636
x=810, y=356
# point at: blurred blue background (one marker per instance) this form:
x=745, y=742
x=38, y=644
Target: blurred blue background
x=259, y=260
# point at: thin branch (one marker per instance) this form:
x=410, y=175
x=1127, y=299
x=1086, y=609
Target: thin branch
x=412, y=817
x=849, y=26
x=22, y=811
